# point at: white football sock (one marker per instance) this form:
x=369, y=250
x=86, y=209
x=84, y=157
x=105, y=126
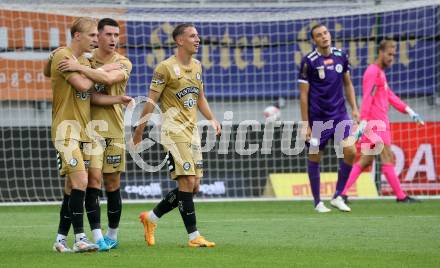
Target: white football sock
x=80, y=236
x=152, y=217
x=61, y=237
x=97, y=234
x=193, y=235
x=112, y=233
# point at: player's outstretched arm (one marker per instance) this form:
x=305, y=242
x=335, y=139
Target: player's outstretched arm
x=109, y=77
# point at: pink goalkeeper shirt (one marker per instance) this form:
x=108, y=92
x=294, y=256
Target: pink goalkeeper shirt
x=376, y=100
x=377, y=96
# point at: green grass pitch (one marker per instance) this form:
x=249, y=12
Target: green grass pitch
x=378, y=233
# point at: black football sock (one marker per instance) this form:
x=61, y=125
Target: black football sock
x=92, y=208
x=76, y=208
x=187, y=211
x=65, y=220
x=114, y=208
x=167, y=204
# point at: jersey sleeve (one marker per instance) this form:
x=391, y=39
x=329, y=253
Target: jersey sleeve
x=304, y=71
x=57, y=58
x=126, y=68
x=396, y=101
x=160, y=78
x=369, y=87
x=202, y=85
x=347, y=65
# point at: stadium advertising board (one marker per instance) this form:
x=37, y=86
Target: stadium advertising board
x=25, y=47
x=297, y=185
x=416, y=151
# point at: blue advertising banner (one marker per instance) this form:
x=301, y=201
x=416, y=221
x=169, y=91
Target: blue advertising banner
x=261, y=59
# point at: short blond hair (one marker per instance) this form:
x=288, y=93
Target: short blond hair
x=82, y=24
x=386, y=43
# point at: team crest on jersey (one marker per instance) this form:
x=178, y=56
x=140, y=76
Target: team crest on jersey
x=73, y=162
x=339, y=68
x=321, y=72
x=198, y=76
x=176, y=69
x=186, y=166
x=190, y=103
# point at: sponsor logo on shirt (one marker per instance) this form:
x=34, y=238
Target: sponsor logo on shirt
x=330, y=67
x=82, y=95
x=199, y=164
x=99, y=88
x=186, y=91
x=114, y=159
x=328, y=61
x=190, y=103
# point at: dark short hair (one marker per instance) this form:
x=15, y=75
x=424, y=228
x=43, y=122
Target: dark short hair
x=180, y=29
x=107, y=22
x=384, y=44
x=315, y=27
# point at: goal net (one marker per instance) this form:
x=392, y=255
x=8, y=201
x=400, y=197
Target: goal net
x=251, y=53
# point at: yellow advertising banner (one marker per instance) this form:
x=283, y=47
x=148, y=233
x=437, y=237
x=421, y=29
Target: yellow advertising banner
x=288, y=185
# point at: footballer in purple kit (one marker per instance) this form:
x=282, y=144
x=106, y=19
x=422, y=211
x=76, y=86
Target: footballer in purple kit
x=323, y=76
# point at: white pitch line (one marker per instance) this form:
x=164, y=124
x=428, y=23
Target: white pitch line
x=246, y=220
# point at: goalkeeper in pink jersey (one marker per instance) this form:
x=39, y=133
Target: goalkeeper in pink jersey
x=375, y=123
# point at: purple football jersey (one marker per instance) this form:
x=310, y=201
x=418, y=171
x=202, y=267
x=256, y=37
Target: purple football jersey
x=324, y=74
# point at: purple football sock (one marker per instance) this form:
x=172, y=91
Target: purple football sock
x=315, y=180
x=343, y=174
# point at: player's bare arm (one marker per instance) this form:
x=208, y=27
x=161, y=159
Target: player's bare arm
x=304, y=103
x=153, y=98
x=203, y=106
x=110, y=77
x=350, y=95
x=106, y=100
x=80, y=82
